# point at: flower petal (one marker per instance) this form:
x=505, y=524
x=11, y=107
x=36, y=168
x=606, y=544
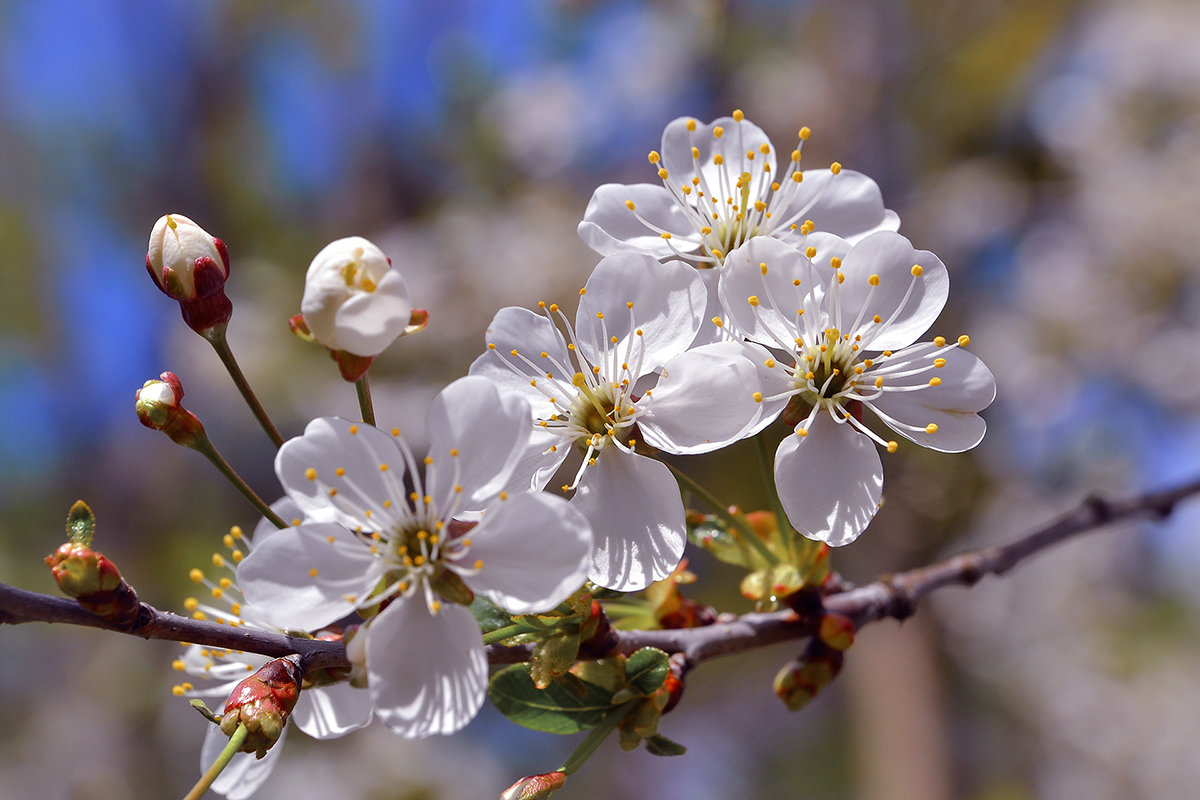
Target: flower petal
x=366, y=323
x=892, y=258
x=609, y=226
x=765, y=306
x=301, y=577
x=245, y=773
x=848, y=205
x=535, y=551
x=529, y=334
x=637, y=520
x=967, y=386
x=427, y=673
x=829, y=482
x=327, y=712
x=476, y=435
x=703, y=401
x=308, y=468
x=736, y=140
x=659, y=306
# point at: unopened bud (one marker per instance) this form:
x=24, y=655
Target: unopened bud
x=87, y=576
x=263, y=703
x=158, y=407
x=836, y=631
x=535, y=787
x=190, y=266
x=804, y=677
x=353, y=300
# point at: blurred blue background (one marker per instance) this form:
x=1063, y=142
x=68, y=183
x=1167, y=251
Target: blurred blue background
x=1049, y=152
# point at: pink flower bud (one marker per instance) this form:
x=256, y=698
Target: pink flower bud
x=535, y=787
x=157, y=405
x=191, y=266
x=263, y=703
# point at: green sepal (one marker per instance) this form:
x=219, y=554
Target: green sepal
x=81, y=524
x=449, y=586
x=660, y=745
x=646, y=669
x=552, y=657
x=607, y=673
x=552, y=710
x=725, y=544
x=490, y=616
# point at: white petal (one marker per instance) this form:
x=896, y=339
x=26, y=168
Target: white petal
x=610, y=227
x=967, y=387
x=668, y=306
x=892, y=257
x=327, y=712
x=829, y=482
x=848, y=204
x=774, y=322
x=637, y=520
x=245, y=773
x=330, y=444
x=732, y=146
x=710, y=332
x=535, y=549
x=277, y=577
x=703, y=401
x=287, y=510
x=531, y=335
x=536, y=465
x=486, y=429
x=427, y=674
x=367, y=322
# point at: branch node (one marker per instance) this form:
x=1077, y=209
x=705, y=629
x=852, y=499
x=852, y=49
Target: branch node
x=1100, y=508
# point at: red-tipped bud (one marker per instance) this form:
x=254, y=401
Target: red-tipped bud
x=350, y=366
x=94, y=582
x=535, y=787
x=190, y=266
x=158, y=407
x=263, y=703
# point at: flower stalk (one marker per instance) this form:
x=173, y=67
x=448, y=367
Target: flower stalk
x=216, y=337
x=206, y=780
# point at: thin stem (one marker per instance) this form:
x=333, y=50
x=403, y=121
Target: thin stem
x=786, y=536
x=736, y=521
x=597, y=736
x=507, y=632
x=218, y=766
x=364, y=399
x=216, y=337
x=209, y=451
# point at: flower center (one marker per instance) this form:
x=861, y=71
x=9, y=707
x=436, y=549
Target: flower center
x=599, y=413
x=355, y=274
x=824, y=370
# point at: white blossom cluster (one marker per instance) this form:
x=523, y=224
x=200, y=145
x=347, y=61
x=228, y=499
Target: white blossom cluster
x=738, y=290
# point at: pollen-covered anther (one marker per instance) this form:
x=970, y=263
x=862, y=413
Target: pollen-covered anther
x=893, y=446
x=931, y=427
x=935, y=381
x=873, y=280
x=964, y=340
x=310, y=473
x=752, y=300
x=917, y=270
x=653, y=157
x=939, y=341
x=196, y=576
x=629, y=204
x=939, y=362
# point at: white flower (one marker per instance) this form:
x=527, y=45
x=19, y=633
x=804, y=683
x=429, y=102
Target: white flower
x=622, y=374
x=178, y=249
x=721, y=186
x=843, y=331
x=380, y=537
x=353, y=299
x=323, y=712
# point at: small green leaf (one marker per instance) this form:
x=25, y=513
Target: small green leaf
x=553, y=656
x=660, y=745
x=552, y=710
x=81, y=524
x=647, y=669
x=489, y=615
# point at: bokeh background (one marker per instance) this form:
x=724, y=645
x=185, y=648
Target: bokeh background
x=1048, y=151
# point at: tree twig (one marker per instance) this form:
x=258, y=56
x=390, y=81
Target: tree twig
x=892, y=596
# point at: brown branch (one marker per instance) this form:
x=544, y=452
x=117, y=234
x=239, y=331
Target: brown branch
x=893, y=596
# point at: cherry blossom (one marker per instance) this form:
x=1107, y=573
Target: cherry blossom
x=407, y=548
x=842, y=332
x=619, y=380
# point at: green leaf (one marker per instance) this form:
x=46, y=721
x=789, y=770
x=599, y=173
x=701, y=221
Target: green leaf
x=660, y=745
x=553, y=656
x=81, y=524
x=647, y=669
x=727, y=545
x=552, y=710
x=490, y=616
